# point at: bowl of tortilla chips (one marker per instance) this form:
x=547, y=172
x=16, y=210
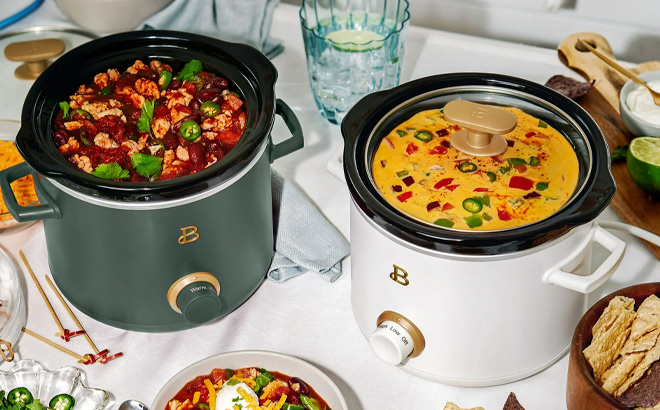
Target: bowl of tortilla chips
x=614, y=361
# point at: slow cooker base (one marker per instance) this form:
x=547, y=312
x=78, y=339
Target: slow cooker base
x=485, y=382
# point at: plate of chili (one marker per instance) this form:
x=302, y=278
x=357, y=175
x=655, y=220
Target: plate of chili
x=251, y=379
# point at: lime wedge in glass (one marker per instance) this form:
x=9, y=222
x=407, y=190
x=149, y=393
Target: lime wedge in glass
x=355, y=40
x=644, y=163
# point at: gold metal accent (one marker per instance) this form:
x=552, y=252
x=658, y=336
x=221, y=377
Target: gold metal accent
x=34, y=54
x=398, y=277
x=419, y=342
x=5, y=350
x=482, y=127
x=186, y=233
x=177, y=287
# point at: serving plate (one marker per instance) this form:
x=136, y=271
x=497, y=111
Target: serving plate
x=45, y=384
x=289, y=365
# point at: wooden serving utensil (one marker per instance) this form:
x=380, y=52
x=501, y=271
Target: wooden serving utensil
x=631, y=203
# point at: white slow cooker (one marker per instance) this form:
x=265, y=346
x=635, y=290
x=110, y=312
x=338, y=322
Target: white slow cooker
x=463, y=307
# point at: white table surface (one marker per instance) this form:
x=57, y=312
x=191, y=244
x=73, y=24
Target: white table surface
x=308, y=317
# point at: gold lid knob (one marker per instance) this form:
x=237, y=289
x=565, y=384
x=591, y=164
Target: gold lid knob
x=483, y=126
x=34, y=54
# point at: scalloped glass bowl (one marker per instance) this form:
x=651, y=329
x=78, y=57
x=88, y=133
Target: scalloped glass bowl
x=44, y=384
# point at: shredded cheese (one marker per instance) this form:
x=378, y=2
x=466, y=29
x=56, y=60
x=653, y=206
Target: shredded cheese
x=196, y=397
x=211, y=389
x=249, y=382
x=252, y=403
x=23, y=188
x=280, y=403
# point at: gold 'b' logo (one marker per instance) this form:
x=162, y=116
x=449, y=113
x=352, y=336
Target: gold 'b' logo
x=188, y=234
x=400, y=276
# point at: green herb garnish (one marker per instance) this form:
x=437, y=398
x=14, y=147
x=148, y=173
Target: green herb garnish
x=189, y=70
x=149, y=166
x=111, y=171
x=232, y=382
x=64, y=106
x=147, y=117
x=619, y=154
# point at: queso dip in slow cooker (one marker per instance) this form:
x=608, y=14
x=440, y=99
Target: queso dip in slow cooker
x=416, y=170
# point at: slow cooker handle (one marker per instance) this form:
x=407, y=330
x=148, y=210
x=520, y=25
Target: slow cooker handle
x=46, y=210
x=562, y=275
x=296, y=141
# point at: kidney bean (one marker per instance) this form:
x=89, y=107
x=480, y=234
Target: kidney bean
x=195, y=104
x=132, y=114
x=189, y=87
x=148, y=74
x=132, y=131
x=206, y=76
x=196, y=152
x=213, y=146
x=220, y=82
x=126, y=80
x=174, y=84
x=302, y=386
x=218, y=99
x=207, y=94
x=170, y=140
x=293, y=399
x=197, y=117
x=161, y=111
x=61, y=137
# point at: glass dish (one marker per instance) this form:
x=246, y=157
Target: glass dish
x=44, y=384
x=12, y=307
x=8, y=131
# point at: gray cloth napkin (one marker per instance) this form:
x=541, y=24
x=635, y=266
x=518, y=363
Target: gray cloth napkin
x=304, y=239
x=242, y=21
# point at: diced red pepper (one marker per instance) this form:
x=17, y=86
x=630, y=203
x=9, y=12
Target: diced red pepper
x=411, y=148
x=530, y=134
x=397, y=188
x=456, y=127
x=521, y=183
x=447, y=206
x=510, y=143
x=446, y=143
x=387, y=140
x=481, y=190
x=452, y=187
x=432, y=205
x=532, y=195
x=404, y=196
x=503, y=215
x=443, y=182
x=520, y=168
x=439, y=150
x=408, y=180
x=443, y=132
x=383, y=163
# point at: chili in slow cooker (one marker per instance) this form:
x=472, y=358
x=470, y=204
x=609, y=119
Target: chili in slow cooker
x=246, y=388
x=146, y=124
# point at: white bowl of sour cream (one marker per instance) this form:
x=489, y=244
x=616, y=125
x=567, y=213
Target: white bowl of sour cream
x=638, y=111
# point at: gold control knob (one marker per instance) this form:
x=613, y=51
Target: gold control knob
x=482, y=127
x=35, y=55
x=396, y=338
x=196, y=297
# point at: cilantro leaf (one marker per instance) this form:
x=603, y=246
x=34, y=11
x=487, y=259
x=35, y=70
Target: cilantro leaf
x=619, y=154
x=111, y=171
x=147, y=117
x=189, y=70
x=35, y=405
x=146, y=165
x=64, y=106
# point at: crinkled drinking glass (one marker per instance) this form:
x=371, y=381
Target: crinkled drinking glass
x=353, y=47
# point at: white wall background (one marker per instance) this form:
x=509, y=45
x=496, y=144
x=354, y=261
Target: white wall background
x=632, y=27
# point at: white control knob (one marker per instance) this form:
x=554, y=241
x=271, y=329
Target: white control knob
x=391, y=342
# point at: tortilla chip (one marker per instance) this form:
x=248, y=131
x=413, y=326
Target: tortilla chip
x=452, y=406
x=512, y=403
x=571, y=88
x=656, y=407
x=609, y=335
x=646, y=393
x=643, y=344
x=647, y=320
x=619, y=372
x=650, y=357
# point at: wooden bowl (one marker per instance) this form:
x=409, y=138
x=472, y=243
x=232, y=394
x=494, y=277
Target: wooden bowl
x=582, y=392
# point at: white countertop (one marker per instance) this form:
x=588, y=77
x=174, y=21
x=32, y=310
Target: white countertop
x=316, y=323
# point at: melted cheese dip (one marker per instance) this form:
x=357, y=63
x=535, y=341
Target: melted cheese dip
x=417, y=171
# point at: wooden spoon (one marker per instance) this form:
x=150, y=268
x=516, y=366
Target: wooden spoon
x=622, y=70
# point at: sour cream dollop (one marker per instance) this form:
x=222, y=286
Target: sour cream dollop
x=229, y=395
x=641, y=105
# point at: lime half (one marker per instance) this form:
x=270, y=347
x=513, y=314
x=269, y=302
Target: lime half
x=355, y=40
x=644, y=163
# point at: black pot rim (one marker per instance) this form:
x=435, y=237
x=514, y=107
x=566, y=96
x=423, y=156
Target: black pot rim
x=250, y=72
x=362, y=120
